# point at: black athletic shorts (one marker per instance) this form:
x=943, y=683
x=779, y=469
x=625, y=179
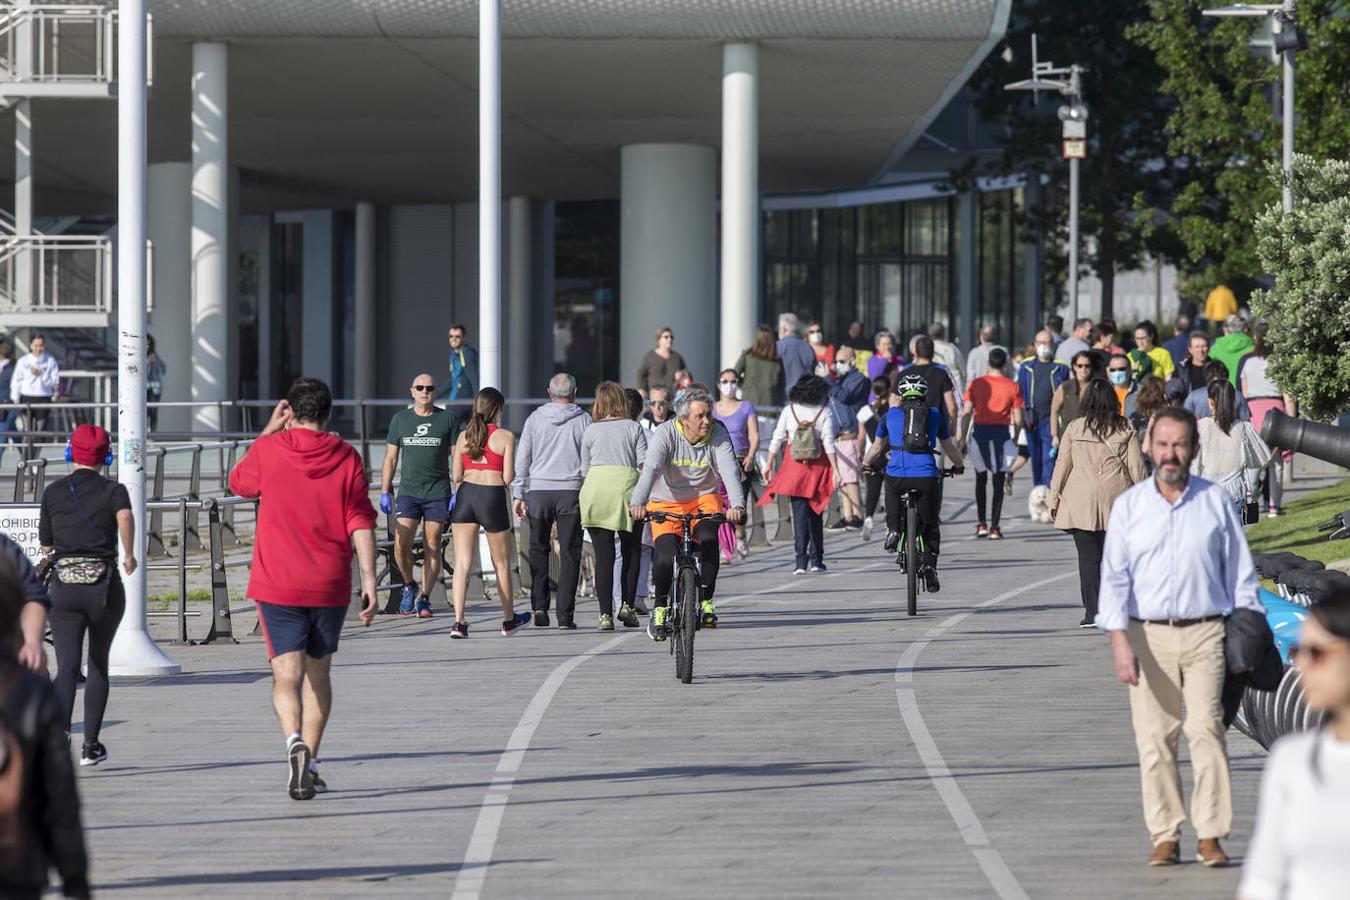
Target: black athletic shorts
x=313, y=629
x=483, y=505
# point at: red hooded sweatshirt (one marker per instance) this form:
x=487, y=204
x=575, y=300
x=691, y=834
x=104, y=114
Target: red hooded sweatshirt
x=313, y=494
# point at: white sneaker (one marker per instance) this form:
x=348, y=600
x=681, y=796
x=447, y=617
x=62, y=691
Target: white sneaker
x=799, y=571
x=1273, y=514
x=867, y=529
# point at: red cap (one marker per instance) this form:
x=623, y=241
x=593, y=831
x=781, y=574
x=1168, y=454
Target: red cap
x=89, y=445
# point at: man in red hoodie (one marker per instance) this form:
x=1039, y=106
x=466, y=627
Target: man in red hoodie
x=314, y=505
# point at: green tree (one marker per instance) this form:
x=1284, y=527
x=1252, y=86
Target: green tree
x=1308, y=251
x=1127, y=174
x=1223, y=126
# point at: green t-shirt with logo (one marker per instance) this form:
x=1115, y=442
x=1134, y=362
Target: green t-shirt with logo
x=424, y=446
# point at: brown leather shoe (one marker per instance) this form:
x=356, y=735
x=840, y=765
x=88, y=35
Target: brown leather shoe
x=1209, y=853
x=1167, y=853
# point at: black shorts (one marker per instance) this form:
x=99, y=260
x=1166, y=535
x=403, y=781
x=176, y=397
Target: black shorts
x=436, y=509
x=484, y=505
x=313, y=629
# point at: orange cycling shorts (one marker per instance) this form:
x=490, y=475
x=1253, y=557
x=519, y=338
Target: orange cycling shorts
x=706, y=503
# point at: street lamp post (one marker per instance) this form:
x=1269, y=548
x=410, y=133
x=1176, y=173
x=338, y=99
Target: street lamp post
x=1074, y=114
x=1286, y=40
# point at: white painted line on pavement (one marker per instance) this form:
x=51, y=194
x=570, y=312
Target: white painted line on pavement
x=478, y=856
x=967, y=822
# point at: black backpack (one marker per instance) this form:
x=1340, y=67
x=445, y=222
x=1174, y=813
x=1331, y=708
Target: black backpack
x=915, y=437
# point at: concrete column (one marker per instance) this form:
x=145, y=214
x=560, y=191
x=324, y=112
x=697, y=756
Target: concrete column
x=962, y=330
x=317, y=310
x=740, y=199
x=170, y=227
x=517, y=334
x=23, y=161
x=133, y=651
x=668, y=254
x=366, y=328
x=210, y=230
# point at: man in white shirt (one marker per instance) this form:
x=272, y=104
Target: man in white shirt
x=36, y=379
x=1175, y=563
x=977, y=361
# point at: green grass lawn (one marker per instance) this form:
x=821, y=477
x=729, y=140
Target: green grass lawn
x=1296, y=530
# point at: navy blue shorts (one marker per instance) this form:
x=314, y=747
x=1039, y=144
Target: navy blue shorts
x=435, y=510
x=313, y=629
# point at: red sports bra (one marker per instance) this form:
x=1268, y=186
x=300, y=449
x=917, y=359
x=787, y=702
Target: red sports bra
x=492, y=462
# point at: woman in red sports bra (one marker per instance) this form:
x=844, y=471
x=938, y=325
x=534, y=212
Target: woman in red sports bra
x=483, y=464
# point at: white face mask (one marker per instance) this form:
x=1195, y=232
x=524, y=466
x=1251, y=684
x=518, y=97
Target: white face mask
x=1119, y=376
x=728, y=390
x=1044, y=351
x=842, y=367
x=815, y=337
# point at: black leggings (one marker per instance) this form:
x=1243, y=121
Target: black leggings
x=1090, y=545
x=663, y=561
x=630, y=546
x=76, y=608
x=981, y=486
x=874, y=484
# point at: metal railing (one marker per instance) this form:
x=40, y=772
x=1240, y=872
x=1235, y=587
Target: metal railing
x=58, y=273
x=63, y=43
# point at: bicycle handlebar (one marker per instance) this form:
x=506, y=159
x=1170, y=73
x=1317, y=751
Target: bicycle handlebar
x=715, y=518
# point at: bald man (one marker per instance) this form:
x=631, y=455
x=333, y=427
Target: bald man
x=421, y=438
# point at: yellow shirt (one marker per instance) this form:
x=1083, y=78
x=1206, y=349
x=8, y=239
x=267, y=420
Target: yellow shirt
x=1163, y=366
x=1220, y=304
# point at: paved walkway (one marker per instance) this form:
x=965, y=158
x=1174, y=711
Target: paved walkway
x=828, y=746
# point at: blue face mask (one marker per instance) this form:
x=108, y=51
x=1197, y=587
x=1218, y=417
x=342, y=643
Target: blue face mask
x=1119, y=377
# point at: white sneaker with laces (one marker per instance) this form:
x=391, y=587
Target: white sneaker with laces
x=867, y=529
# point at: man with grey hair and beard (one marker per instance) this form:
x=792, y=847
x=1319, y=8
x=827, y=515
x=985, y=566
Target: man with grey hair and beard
x=547, y=491
x=1175, y=564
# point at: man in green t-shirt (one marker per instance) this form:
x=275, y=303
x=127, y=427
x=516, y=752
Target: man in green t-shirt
x=422, y=438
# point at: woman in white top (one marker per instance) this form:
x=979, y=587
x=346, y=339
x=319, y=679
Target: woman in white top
x=1264, y=395
x=1301, y=847
x=809, y=470
x=1231, y=452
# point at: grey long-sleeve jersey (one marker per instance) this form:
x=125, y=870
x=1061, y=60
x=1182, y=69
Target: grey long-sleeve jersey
x=677, y=470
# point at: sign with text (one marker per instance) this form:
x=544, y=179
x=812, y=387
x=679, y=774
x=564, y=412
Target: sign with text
x=19, y=522
x=1075, y=149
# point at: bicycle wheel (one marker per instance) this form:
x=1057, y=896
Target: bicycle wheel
x=912, y=556
x=686, y=622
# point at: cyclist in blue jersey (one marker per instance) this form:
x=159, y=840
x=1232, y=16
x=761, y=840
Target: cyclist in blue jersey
x=913, y=466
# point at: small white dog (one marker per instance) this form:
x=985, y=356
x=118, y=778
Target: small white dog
x=1036, y=506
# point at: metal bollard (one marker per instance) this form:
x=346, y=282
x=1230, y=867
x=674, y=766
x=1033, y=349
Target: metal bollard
x=154, y=543
x=19, y=473
x=363, y=432
x=182, y=572
x=231, y=536
x=756, y=532
x=221, y=626
x=195, y=493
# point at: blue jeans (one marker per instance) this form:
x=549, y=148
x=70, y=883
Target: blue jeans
x=7, y=420
x=1038, y=443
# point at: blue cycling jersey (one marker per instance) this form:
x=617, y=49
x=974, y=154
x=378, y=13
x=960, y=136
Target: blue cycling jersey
x=902, y=463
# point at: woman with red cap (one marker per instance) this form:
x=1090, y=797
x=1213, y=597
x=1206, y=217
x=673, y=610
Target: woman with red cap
x=82, y=517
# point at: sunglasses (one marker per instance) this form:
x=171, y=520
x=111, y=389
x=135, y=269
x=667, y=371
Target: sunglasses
x=661, y=403
x=424, y=387
x=1082, y=365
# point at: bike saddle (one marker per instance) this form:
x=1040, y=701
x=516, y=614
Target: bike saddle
x=1317, y=585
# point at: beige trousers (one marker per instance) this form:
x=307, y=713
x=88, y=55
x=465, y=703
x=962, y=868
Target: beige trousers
x=1179, y=665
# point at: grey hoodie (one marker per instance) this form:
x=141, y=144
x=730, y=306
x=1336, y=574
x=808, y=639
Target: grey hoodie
x=549, y=455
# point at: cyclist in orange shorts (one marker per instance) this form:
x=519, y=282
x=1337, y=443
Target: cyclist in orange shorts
x=687, y=457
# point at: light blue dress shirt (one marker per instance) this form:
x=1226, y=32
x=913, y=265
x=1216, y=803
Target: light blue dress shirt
x=1184, y=561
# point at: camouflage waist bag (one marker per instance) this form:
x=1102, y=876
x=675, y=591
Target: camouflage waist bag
x=80, y=570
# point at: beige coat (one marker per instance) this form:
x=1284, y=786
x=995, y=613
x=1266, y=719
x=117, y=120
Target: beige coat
x=1090, y=474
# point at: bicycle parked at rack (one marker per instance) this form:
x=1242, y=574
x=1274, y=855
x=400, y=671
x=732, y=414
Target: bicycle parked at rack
x=685, y=615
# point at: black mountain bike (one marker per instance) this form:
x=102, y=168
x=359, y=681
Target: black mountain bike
x=908, y=553
x=685, y=615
